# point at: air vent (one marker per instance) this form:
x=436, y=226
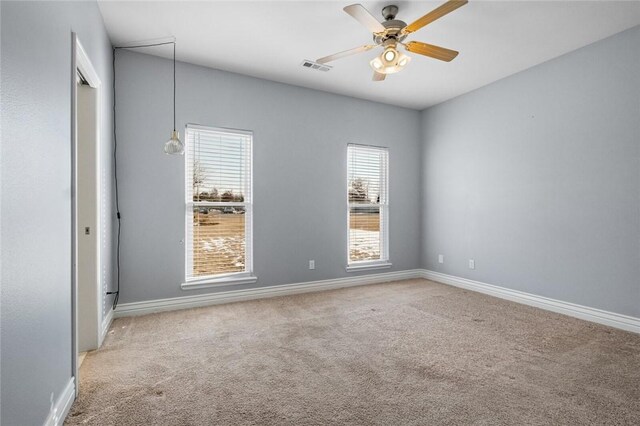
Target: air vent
x=315, y=66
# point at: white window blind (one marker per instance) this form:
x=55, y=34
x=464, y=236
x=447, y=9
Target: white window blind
x=368, y=204
x=218, y=202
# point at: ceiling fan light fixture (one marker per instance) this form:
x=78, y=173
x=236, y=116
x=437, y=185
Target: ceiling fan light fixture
x=381, y=65
x=401, y=61
x=390, y=34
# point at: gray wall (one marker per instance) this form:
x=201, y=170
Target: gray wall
x=300, y=140
x=537, y=177
x=36, y=196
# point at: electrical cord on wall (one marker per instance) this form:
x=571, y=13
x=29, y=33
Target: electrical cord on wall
x=116, y=293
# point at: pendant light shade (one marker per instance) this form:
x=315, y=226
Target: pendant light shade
x=174, y=146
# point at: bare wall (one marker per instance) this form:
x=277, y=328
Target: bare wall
x=36, y=196
x=537, y=178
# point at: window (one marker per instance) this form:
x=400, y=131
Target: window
x=368, y=206
x=218, y=206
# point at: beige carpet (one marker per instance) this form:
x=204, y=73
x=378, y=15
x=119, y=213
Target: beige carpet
x=405, y=353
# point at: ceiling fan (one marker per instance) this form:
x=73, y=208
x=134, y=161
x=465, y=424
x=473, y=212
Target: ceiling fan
x=391, y=33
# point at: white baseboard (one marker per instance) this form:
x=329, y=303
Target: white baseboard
x=104, y=328
x=599, y=316
x=61, y=407
x=151, y=306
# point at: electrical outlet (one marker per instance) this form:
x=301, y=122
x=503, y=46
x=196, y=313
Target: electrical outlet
x=312, y=264
x=441, y=258
x=472, y=264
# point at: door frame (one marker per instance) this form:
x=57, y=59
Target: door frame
x=79, y=62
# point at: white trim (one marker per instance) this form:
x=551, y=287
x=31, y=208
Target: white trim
x=83, y=64
x=383, y=205
x=189, y=160
x=74, y=207
x=218, y=282
x=60, y=409
x=226, y=130
x=368, y=266
x=79, y=61
x=151, y=306
x=612, y=319
x=106, y=323
x=599, y=316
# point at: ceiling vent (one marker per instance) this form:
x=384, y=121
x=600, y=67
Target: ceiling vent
x=315, y=66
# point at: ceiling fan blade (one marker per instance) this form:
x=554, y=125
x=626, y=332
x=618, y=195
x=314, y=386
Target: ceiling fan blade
x=430, y=50
x=345, y=53
x=436, y=13
x=378, y=76
x=363, y=16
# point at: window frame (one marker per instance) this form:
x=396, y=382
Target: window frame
x=230, y=278
x=384, y=261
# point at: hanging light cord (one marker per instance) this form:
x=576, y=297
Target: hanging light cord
x=174, y=86
x=116, y=293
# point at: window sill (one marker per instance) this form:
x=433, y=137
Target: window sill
x=368, y=266
x=218, y=282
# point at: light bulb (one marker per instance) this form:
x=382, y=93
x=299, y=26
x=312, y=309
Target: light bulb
x=376, y=63
x=389, y=55
x=173, y=145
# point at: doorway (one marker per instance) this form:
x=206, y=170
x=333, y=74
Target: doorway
x=87, y=297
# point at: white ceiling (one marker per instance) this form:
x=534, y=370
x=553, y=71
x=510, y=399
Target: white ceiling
x=269, y=40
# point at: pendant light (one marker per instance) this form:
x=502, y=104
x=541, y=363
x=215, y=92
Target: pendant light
x=174, y=145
